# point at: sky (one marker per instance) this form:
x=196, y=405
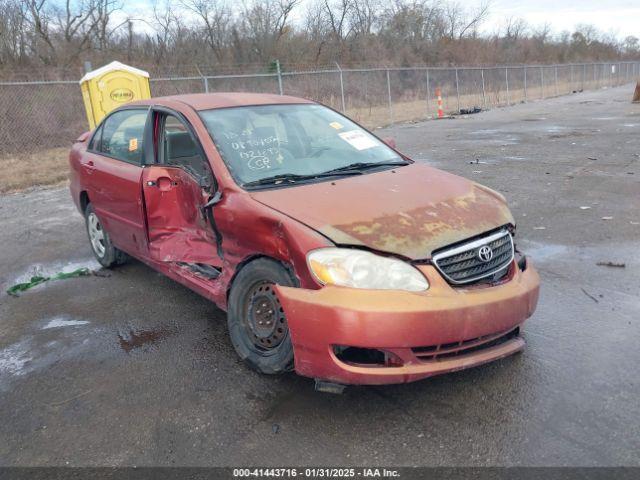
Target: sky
x=617, y=17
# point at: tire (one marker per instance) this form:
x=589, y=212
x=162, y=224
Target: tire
x=265, y=347
x=101, y=246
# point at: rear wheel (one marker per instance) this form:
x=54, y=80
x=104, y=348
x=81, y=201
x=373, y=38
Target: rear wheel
x=257, y=322
x=104, y=251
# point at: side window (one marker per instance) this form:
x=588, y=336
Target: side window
x=122, y=135
x=179, y=149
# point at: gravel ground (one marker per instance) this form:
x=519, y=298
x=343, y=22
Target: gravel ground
x=133, y=369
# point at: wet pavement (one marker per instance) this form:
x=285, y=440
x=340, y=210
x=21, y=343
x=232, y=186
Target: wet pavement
x=133, y=369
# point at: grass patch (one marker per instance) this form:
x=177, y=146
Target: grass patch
x=23, y=170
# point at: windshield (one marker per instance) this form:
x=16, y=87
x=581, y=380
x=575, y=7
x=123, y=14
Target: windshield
x=259, y=143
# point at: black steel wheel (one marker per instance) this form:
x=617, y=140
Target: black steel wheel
x=257, y=322
x=264, y=316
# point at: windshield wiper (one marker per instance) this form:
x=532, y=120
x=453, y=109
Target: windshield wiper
x=351, y=169
x=294, y=177
x=360, y=166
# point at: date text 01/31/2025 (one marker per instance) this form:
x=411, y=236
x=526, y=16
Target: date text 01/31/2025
x=327, y=472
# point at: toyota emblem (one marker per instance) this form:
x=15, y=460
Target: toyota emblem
x=485, y=253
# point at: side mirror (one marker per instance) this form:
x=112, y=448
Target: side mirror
x=390, y=141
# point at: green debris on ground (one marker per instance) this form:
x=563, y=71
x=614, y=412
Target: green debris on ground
x=16, y=289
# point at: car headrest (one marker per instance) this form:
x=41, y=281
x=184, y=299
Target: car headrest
x=180, y=144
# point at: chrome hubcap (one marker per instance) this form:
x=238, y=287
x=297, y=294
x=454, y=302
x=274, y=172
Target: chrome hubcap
x=96, y=235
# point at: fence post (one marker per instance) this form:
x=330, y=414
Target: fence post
x=525, y=83
x=389, y=95
x=484, y=95
x=541, y=83
x=619, y=77
x=457, y=91
x=428, y=95
x=344, y=108
x=556, y=79
x=584, y=75
x=571, y=76
x=506, y=80
x=205, y=80
x=279, y=77
x=626, y=72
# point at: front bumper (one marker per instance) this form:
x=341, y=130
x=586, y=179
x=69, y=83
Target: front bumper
x=398, y=322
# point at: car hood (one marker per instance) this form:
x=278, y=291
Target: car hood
x=409, y=211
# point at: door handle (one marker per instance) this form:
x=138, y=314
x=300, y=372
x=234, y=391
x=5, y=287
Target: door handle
x=163, y=183
x=89, y=167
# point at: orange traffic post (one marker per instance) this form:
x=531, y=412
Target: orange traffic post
x=439, y=100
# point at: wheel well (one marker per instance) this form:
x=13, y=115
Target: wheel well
x=288, y=267
x=84, y=200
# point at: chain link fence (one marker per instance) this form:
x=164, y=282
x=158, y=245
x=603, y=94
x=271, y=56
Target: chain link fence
x=37, y=116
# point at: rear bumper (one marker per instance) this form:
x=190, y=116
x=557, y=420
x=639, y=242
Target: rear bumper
x=399, y=322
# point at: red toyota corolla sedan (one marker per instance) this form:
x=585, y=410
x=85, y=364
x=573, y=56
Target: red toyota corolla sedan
x=332, y=253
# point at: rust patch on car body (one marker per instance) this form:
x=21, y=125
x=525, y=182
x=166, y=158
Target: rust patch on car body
x=410, y=211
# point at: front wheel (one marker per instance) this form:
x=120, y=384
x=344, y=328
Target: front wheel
x=257, y=322
x=104, y=251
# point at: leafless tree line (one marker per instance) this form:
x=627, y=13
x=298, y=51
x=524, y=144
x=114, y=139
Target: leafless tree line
x=60, y=35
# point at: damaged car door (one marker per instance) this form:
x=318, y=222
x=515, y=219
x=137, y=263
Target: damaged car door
x=179, y=193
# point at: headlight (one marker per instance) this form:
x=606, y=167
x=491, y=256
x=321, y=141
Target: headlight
x=362, y=269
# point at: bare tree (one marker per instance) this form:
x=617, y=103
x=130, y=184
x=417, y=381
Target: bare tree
x=163, y=20
x=63, y=33
x=102, y=18
x=337, y=15
x=363, y=16
x=12, y=31
x=265, y=22
x=216, y=17
x=460, y=21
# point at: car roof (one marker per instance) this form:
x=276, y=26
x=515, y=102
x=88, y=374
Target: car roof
x=208, y=101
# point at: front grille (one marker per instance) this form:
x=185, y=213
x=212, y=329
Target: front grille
x=463, y=263
x=465, y=347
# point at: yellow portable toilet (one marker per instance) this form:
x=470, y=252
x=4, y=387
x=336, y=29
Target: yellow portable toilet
x=109, y=87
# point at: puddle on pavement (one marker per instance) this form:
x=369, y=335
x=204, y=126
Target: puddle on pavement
x=13, y=359
x=63, y=321
x=48, y=347
x=555, y=128
x=487, y=131
x=543, y=252
x=138, y=339
x=547, y=252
